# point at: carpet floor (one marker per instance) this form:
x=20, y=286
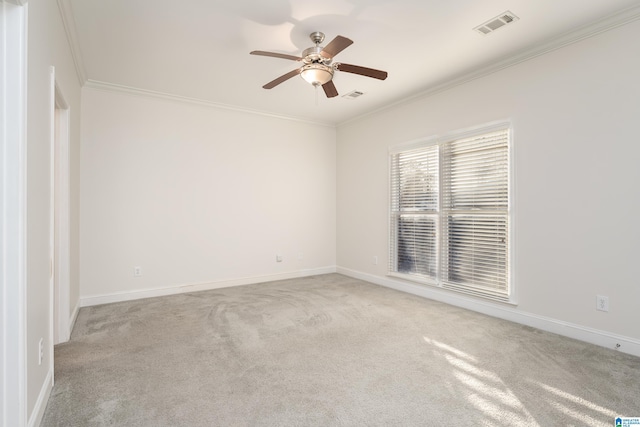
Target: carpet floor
x=327, y=351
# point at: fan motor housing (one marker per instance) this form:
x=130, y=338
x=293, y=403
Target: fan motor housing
x=313, y=55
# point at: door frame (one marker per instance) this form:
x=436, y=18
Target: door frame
x=13, y=206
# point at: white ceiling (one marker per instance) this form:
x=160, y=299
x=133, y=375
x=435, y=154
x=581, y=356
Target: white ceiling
x=199, y=49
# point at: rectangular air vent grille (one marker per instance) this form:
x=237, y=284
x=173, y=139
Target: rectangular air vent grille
x=497, y=22
x=353, y=94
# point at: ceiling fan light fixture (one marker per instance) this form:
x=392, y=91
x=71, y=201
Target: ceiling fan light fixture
x=318, y=66
x=317, y=74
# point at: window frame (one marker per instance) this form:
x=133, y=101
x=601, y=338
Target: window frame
x=439, y=141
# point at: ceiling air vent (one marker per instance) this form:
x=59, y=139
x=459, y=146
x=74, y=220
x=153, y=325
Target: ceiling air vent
x=498, y=22
x=353, y=94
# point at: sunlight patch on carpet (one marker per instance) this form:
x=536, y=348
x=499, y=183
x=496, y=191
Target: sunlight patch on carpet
x=486, y=390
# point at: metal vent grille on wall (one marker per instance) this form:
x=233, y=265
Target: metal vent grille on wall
x=498, y=22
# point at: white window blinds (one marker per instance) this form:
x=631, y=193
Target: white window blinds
x=475, y=201
x=414, y=211
x=450, y=213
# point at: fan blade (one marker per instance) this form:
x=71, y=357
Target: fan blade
x=330, y=89
x=281, y=79
x=336, y=46
x=275, y=55
x=363, y=71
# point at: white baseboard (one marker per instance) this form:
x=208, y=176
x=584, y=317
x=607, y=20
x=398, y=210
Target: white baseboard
x=41, y=404
x=594, y=336
x=195, y=287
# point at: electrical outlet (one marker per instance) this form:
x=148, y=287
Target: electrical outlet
x=137, y=271
x=40, y=351
x=602, y=303
x=375, y=260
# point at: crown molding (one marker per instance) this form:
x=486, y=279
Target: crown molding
x=602, y=25
x=69, y=24
x=112, y=87
x=575, y=35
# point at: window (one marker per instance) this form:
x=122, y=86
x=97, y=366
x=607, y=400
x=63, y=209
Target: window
x=450, y=212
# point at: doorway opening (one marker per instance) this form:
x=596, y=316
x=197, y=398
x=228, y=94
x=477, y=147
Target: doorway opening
x=60, y=221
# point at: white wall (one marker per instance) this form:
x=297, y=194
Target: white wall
x=575, y=119
x=47, y=46
x=195, y=195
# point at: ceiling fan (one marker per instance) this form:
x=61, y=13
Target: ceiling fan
x=317, y=67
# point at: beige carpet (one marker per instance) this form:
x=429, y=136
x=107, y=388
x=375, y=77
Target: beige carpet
x=328, y=350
